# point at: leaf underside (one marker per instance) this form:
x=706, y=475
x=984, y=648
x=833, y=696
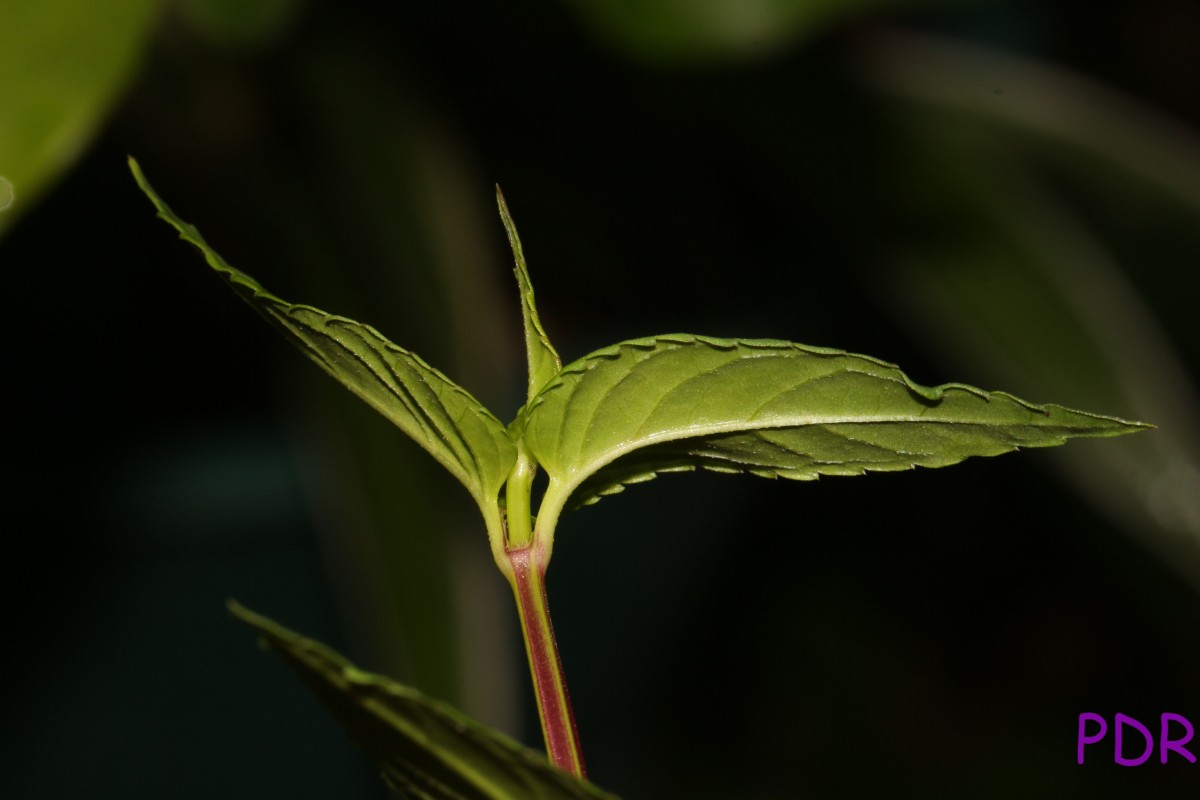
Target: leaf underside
x=437, y=413
x=771, y=408
x=425, y=748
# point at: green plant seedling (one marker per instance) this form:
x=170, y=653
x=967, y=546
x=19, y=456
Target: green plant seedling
x=617, y=416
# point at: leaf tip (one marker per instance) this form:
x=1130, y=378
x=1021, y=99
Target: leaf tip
x=510, y=227
x=266, y=629
x=1114, y=426
x=241, y=612
x=138, y=175
x=164, y=212
x=246, y=615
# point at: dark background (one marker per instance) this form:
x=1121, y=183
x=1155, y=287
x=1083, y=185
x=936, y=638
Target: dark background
x=931, y=634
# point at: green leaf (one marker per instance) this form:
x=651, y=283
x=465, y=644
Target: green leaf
x=771, y=408
x=1033, y=199
x=424, y=747
x=437, y=413
x=688, y=31
x=544, y=362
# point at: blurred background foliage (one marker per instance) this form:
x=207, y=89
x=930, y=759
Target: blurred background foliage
x=1003, y=193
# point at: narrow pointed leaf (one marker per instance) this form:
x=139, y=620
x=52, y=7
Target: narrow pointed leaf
x=438, y=414
x=766, y=407
x=424, y=747
x=544, y=362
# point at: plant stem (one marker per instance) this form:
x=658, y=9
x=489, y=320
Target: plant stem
x=549, y=684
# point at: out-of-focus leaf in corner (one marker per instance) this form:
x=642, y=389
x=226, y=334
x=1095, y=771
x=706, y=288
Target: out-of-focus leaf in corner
x=425, y=748
x=1009, y=277
x=64, y=63
x=675, y=31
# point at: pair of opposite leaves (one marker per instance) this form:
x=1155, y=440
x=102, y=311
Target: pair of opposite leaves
x=619, y=415
x=675, y=402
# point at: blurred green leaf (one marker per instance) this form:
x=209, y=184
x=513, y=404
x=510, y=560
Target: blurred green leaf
x=63, y=63
x=424, y=747
x=766, y=407
x=1006, y=272
x=376, y=210
x=706, y=30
